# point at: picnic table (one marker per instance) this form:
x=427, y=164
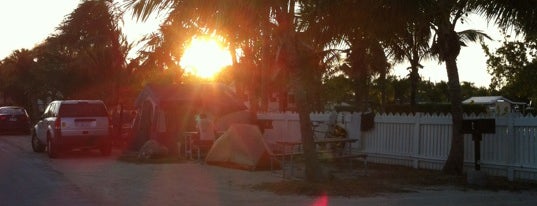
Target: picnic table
x=327, y=148
x=194, y=146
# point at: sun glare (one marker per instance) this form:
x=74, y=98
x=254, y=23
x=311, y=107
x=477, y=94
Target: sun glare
x=205, y=58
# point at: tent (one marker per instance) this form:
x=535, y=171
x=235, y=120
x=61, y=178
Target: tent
x=166, y=110
x=223, y=122
x=241, y=146
x=215, y=98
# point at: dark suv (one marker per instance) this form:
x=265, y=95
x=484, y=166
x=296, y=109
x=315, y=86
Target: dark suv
x=14, y=119
x=72, y=124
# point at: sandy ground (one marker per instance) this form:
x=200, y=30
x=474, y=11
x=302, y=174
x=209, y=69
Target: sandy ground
x=192, y=183
x=112, y=182
x=188, y=183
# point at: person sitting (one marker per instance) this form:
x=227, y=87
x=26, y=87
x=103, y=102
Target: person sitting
x=206, y=134
x=206, y=128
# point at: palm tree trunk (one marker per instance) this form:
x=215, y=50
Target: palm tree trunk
x=361, y=90
x=359, y=75
x=414, y=78
x=312, y=166
x=450, y=48
x=455, y=161
x=384, y=96
x=265, y=72
x=299, y=81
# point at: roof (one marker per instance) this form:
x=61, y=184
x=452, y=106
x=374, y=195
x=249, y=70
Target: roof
x=488, y=100
x=75, y=101
x=179, y=92
x=196, y=95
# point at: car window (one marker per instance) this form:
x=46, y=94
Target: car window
x=54, y=109
x=12, y=111
x=48, y=110
x=82, y=110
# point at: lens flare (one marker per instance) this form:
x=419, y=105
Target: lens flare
x=205, y=58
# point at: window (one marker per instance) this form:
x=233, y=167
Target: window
x=13, y=111
x=82, y=109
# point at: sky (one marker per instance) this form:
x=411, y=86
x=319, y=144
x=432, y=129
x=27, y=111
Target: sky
x=26, y=23
x=471, y=62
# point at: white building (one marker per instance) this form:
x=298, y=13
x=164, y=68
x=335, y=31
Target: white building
x=497, y=105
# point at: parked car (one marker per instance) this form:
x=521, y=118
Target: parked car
x=14, y=119
x=73, y=124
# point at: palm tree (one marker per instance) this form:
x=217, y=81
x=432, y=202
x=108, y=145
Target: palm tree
x=346, y=27
x=443, y=16
x=280, y=19
x=412, y=44
x=518, y=15
x=245, y=25
x=90, y=39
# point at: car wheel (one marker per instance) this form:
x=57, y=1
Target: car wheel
x=36, y=145
x=51, y=149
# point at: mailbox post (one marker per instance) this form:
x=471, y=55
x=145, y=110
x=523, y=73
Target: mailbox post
x=476, y=137
x=477, y=127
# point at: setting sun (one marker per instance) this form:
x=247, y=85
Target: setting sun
x=205, y=58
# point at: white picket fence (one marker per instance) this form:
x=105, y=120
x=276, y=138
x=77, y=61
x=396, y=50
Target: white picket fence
x=423, y=141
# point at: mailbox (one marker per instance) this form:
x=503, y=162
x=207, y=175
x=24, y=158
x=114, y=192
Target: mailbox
x=483, y=126
x=264, y=124
x=367, y=121
x=476, y=127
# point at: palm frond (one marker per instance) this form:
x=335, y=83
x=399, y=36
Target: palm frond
x=471, y=35
x=142, y=9
x=509, y=14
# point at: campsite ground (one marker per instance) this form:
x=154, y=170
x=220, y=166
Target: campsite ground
x=116, y=181
x=171, y=181
x=188, y=182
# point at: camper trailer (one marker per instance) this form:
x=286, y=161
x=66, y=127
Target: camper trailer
x=496, y=105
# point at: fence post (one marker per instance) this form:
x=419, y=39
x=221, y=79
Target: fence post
x=416, y=140
x=511, y=158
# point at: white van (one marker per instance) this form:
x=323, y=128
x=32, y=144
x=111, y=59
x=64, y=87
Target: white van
x=72, y=124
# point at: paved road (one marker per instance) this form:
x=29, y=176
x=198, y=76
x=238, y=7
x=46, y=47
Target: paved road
x=27, y=178
x=86, y=178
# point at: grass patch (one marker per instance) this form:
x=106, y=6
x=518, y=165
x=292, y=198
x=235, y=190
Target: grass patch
x=384, y=179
